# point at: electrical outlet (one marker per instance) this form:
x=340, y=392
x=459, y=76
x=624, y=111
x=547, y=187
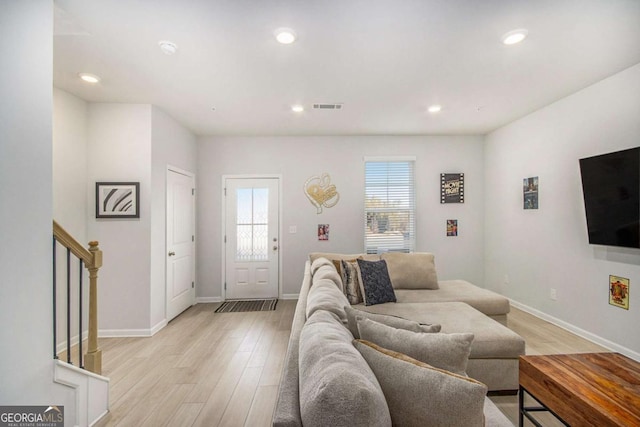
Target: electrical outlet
x=293, y=229
x=552, y=294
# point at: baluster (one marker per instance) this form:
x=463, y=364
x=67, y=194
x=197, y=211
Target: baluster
x=80, y=364
x=55, y=311
x=69, y=306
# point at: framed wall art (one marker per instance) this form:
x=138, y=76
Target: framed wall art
x=451, y=188
x=530, y=192
x=619, y=292
x=452, y=227
x=323, y=231
x=117, y=200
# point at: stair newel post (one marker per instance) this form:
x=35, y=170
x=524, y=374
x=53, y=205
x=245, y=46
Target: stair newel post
x=93, y=358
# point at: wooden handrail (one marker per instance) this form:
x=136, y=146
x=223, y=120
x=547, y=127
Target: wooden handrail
x=66, y=240
x=92, y=259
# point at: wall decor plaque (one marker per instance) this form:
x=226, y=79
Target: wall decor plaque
x=321, y=192
x=451, y=188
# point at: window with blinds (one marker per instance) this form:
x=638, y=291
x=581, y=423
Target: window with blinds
x=389, y=206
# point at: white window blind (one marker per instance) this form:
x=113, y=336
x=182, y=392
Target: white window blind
x=389, y=206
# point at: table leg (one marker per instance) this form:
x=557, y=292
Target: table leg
x=520, y=406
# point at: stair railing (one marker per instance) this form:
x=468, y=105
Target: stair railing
x=91, y=259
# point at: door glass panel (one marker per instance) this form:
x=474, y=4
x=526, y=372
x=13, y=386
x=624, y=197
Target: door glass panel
x=252, y=224
x=244, y=249
x=261, y=205
x=260, y=242
x=244, y=196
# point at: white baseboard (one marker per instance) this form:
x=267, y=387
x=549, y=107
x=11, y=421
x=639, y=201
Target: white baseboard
x=161, y=324
x=128, y=333
x=578, y=331
x=289, y=296
x=207, y=300
x=124, y=333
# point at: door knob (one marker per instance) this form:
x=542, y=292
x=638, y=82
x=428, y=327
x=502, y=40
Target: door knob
x=275, y=248
x=172, y=253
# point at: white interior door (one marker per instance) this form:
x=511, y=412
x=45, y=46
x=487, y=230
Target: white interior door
x=252, y=238
x=180, y=242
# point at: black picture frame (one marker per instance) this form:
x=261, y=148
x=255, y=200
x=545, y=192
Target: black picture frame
x=118, y=200
x=451, y=188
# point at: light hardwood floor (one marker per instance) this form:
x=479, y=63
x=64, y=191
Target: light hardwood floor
x=203, y=369
x=223, y=369
x=541, y=337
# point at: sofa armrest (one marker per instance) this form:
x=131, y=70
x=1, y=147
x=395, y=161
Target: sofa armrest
x=287, y=410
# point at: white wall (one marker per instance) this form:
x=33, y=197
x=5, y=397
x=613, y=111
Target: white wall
x=172, y=145
x=548, y=248
x=70, y=199
x=26, y=360
x=70, y=163
x=119, y=149
x=298, y=158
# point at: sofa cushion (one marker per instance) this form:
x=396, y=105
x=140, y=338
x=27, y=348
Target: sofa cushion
x=411, y=271
x=334, y=256
x=492, y=340
x=484, y=300
x=329, y=272
x=337, y=386
x=444, y=351
x=393, y=321
x=349, y=275
x=319, y=262
x=421, y=395
x=325, y=295
x=375, y=283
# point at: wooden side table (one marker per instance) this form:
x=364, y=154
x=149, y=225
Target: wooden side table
x=588, y=389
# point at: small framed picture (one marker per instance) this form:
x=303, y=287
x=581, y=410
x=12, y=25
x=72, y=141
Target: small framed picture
x=452, y=227
x=323, y=231
x=530, y=192
x=619, y=292
x=117, y=200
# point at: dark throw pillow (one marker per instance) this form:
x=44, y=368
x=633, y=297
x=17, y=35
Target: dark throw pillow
x=375, y=282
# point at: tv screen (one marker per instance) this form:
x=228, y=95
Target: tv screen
x=611, y=188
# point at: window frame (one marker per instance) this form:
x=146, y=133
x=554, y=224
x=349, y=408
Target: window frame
x=408, y=244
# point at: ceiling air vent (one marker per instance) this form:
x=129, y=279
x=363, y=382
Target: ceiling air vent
x=327, y=106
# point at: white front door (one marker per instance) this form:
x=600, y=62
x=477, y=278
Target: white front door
x=252, y=238
x=180, y=242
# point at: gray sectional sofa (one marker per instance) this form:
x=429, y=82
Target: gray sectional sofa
x=311, y=393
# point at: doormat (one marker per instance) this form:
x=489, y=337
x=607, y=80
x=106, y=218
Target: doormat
x=253, y=305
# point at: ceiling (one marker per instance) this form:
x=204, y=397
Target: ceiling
x=385, y=61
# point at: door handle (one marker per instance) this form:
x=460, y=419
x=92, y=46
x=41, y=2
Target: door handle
x=275, y=248
x=172, y=253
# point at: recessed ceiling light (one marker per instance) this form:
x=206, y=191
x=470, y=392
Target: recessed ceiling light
x=285, y=35
x=169, y=48
x=515, y=36
x=297, y=108
x=435, y=108
x=89, y=78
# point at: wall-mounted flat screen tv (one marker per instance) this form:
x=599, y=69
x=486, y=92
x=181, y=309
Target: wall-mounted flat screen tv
x=611, y=188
